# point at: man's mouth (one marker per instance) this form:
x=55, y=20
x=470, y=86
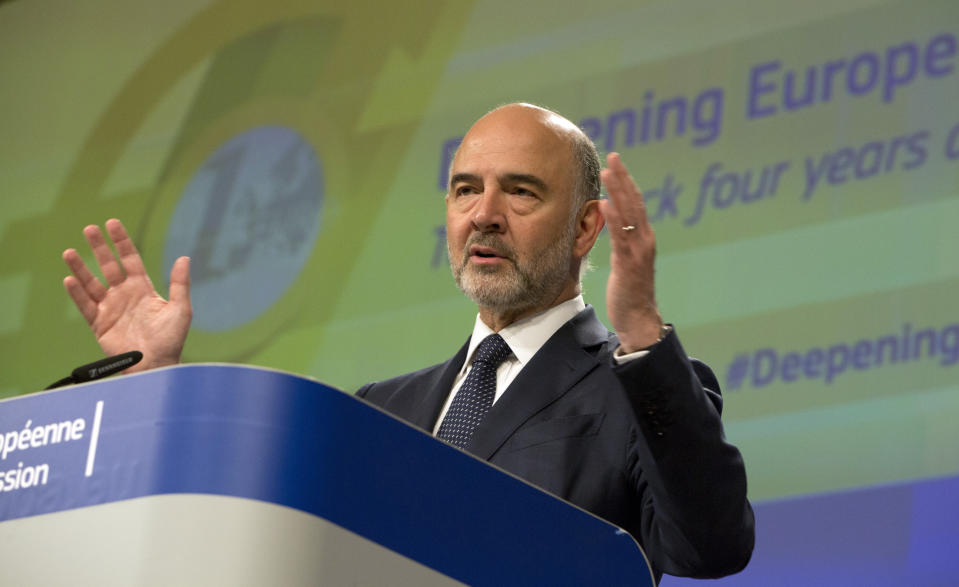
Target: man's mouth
x=484, y=254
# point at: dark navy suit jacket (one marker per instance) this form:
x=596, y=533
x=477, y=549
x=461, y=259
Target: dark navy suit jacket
x=640, y=445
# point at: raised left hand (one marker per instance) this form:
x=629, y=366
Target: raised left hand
x=630, y=291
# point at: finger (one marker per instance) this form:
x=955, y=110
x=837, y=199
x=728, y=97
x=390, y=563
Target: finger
x=615, y=164
x=78, y=294
x=610, y=215
x=92, y=286
x=625, y=196
x=618, y=238
x=632, y=201
x=180, y=282
x=101, y=250
x=130, y=258
x=618, y=202
x=615, y=219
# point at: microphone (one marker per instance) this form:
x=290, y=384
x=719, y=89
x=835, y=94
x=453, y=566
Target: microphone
x=100, y=369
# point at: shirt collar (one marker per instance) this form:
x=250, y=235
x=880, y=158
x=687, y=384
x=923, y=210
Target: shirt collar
x=525, y=337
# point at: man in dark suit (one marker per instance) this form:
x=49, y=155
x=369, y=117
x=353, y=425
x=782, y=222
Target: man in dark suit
x=623, y=425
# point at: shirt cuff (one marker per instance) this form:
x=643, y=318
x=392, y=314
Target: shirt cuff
x=622, y=358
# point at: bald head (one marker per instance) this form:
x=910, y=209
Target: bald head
x=521, y=113
x=543, y=128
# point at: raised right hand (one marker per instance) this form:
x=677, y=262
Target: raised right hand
x=128, y=314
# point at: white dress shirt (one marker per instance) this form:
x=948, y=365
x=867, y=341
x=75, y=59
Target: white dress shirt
x=524, y=337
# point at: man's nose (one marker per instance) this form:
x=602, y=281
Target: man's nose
x=489, y=215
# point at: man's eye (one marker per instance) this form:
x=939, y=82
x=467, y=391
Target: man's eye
x=465, y=190
x=523, y=192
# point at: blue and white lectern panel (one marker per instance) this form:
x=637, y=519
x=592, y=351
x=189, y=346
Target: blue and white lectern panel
x=235, y=475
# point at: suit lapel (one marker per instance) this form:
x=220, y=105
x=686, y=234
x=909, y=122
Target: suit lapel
x=425, y=411
x=553, y=371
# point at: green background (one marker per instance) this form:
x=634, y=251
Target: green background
x=109, y=109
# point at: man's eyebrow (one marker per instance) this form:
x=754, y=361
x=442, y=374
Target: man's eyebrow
x=525, y=178
x=457, y=178
x=506, y=177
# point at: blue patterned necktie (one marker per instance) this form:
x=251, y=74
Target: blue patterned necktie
x=475, y=397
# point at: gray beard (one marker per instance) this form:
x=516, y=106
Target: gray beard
x=519, y=284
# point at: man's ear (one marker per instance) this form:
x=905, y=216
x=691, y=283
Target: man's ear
x=588, y=226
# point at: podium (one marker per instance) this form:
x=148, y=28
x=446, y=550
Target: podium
x=234, y=475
